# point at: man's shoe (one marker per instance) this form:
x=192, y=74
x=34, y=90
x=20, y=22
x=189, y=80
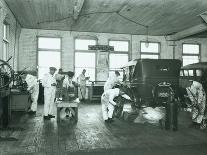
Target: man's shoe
x=46, y=118
x=106, y=121
x=51, y=116
x=67, y=116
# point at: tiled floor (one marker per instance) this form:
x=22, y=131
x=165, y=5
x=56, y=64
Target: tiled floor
x=92, y=136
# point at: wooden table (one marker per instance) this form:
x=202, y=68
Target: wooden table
x=67, y=104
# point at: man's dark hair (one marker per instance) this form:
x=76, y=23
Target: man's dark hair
x=71, y=74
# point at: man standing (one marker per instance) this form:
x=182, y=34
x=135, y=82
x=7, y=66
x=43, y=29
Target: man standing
x=49, y=84
x=197, y=96
x=59, y=79
x=108, y=104
x=33, y=88
x=82, y=85
x=112, y=81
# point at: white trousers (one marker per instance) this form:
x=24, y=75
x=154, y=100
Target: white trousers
x=34, y=98
x=107, y=108
x=82, y=92
x=49, y=96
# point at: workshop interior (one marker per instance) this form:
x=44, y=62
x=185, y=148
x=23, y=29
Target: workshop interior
x=103, y=77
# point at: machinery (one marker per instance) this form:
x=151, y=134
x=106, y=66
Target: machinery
x=7, y=80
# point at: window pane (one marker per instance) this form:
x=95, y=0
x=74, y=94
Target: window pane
x=148, y=56
x=116, y=61
x=85, y=60
x=5, y=50
x=190, y=72
x=190, y=60
x=82, y=44
x=120, y=45
x=90, y=72
x=5, y=31
x=54, y=59
x=181, y=73
x=152, y=48
x=49, y=43
x=190, y=49
x=198, y=72
x=185, y=72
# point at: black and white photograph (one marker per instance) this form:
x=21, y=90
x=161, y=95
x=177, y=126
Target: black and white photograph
x=103, y=77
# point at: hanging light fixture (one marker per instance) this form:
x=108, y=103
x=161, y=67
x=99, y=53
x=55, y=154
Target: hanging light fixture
x=147, y=37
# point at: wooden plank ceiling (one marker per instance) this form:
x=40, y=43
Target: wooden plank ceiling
x=162, y=16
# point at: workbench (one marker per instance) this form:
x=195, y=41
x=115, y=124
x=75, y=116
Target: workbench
x=19, y=100
x=67, y=104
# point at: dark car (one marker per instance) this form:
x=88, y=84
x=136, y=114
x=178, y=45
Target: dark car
x=151, y=82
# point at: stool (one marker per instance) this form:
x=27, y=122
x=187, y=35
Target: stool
x=67, y=104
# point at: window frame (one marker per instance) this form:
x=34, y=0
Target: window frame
x=150, y=53
x=118, y=52
x=191, y=54
x=49, y=50
x=6, y=41
x=85, y=51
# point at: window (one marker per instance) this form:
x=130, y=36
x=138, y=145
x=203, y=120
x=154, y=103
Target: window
x=84, y=58
x=191, y=53
x=82, y=44
x=198, y=72
x=118, y=57
x=48, y=48
x=151, y=51
x=190, y=72
x=181, y=73
x=120, y=46
x=185, y=72
x=5, y=41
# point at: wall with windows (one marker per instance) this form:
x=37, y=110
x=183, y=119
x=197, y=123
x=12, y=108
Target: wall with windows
x=9, y=31
x=202, y=42
x=71, y=56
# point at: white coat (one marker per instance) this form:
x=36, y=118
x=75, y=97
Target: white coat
x=33, y=88
x=82, y=88
x=111, y=82
x=197, y=96
x=49, y=93
x=107, y=102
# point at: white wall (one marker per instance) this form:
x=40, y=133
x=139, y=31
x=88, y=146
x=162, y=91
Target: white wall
x=14, y=33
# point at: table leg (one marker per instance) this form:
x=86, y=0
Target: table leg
x=58, y=114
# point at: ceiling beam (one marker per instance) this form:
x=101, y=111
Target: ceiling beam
x=188, y=32
x=77, y=8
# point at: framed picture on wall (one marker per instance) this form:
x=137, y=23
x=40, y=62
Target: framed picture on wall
x=103, y=59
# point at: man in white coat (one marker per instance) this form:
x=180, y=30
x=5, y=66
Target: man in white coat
x=49, y=84
x=33, y=88
x=82, y=85
x=112, y=81
x=108, y=104
x=197, y=96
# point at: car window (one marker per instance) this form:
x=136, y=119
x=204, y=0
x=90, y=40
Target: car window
x=190, y=72
x=185, y=72
x=198, y=72
x=181, y=73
